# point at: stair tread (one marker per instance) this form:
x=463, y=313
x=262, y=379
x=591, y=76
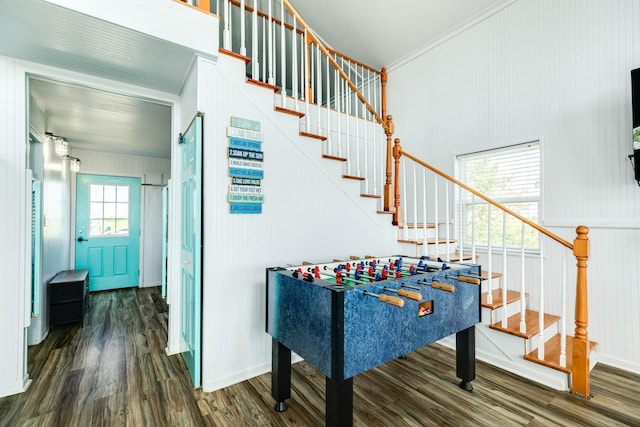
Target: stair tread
x=454, y=257
x=552, y=353
x=512, y=296
x=357, y=178
x=371, y=196
x=330, y=157
x=413, y=242
x=531, y=320
x=494, y=274
x=289, y=111
x=232, y=54
x=428, y=241
x=418, y=226
x=386, y=212
x=263, y=84
x=312, y=135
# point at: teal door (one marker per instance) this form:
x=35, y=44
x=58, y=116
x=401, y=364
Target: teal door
x=108, y=230
x=191, y=249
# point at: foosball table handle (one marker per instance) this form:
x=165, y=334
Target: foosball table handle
x=409, y=294
x=472, y=280
x=398, y=302
x=443, y=286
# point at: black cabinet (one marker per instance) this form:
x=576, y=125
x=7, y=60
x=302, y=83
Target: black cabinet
x=68, y=297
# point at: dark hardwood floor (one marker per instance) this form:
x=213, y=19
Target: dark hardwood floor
x=113, y=371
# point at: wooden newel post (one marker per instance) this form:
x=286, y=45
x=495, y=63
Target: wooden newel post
x=383, y=92
x=388, y=191
x=397, y=152
x=581, y=367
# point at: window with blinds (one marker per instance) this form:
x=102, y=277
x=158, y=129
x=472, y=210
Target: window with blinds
x=510, y=176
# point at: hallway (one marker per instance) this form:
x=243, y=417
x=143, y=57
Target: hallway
x=113, y=371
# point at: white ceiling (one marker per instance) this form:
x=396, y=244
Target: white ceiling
x=380, y=33
x=372, y=31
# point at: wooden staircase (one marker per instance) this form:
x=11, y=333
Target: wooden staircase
x=432, y=245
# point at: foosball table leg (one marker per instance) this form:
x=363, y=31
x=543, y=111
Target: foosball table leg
x=339, y=402
x=280, y=374
x=466, y=357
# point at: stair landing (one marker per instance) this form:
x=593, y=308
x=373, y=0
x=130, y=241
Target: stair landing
x=552, y=354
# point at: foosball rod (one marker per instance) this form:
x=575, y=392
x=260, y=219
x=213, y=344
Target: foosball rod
x=407, y=294
x=350, y=279
x=398, y=302
x=424, y=266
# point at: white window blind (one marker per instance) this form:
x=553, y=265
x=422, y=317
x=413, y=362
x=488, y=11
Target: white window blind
x=510, y=176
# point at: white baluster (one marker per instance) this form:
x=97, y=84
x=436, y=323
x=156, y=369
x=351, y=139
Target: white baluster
x=306, y=80
x=473, y=228
x=435, y=208
x=523, y=322
x=374, y=163
x=541, y=340
x=504, y=269
x=264, y=49
x=489, y=257
x=415, y=204
x=283, y=57
x=563, y=320
x=347, y=94
x=274, y=48
x=338, y=84
x=270, y=79
x=357, y=123
x=318, y=89
x=243, y=43
x=461, y=223
x=447, y=232
x=255, y=62
x=226, y=33
x=424, y=206
x=328, y=90
x=294, y=64
x=405, y=226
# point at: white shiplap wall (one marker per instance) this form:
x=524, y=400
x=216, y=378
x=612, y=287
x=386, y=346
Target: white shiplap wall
x=558, y=71
x=13, y=255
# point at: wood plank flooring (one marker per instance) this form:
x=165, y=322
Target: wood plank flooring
x=113, y=371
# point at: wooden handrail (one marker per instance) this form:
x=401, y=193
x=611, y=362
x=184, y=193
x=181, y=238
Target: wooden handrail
x=485, y=198
x=581, y=366
x=355, y=61
x=333, y=62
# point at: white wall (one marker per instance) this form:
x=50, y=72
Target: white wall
x=557, y=70
x=14, y=304
x=56, y=227
x=307, y=215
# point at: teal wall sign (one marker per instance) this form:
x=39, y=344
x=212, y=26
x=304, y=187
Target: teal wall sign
x=245, y=208
x=245, y=166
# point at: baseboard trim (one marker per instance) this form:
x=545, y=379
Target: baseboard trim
x=16, y=387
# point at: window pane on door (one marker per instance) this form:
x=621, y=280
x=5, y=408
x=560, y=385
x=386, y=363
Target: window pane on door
x=109, y=210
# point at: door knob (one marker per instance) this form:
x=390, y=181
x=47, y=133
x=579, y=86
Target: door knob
x=82, y=239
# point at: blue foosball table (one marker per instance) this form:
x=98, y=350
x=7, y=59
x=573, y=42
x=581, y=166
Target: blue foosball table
x=347, y=317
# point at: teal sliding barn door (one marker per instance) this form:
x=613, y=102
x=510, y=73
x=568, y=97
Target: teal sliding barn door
x=191, y=247
x=108, y=230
